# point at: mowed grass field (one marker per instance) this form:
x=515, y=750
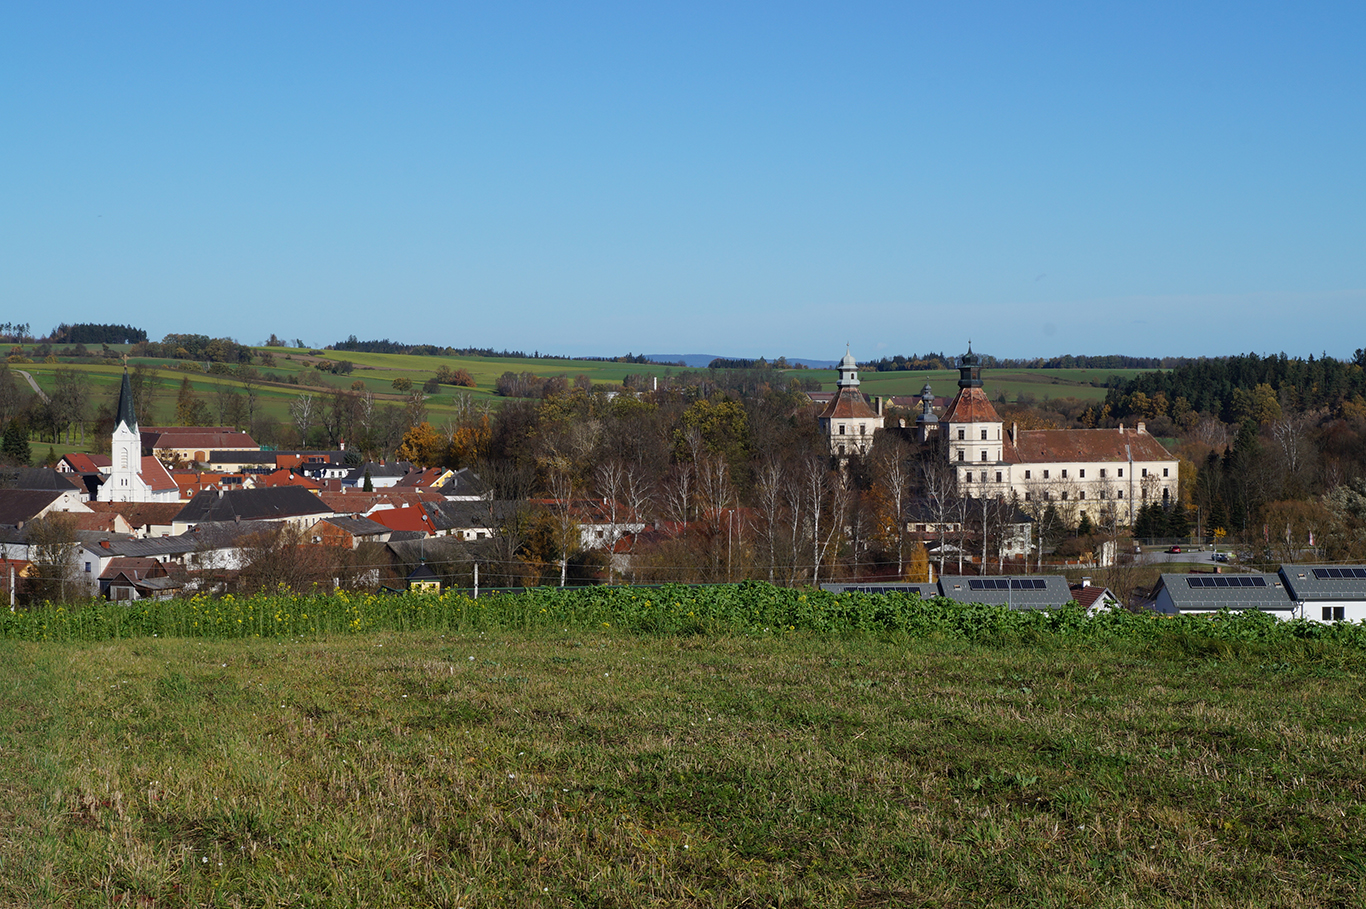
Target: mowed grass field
x=595, y=768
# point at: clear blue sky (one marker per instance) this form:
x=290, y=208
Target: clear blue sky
x=745, y=179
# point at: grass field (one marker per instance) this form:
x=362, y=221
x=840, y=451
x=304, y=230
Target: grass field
x=594, y=767
x=1040, y=383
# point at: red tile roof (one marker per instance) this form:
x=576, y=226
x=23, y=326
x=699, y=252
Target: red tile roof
x=355, y=502
x=286, y=478
x=970, y=406
x=411, y=518
x=87, y=463
x=848, y=404
x=1041, y=446
x=154, y=475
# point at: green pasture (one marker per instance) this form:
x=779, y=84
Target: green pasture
x=1040, y=383
x=563, y=751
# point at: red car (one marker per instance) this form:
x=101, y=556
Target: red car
x=1174, y=549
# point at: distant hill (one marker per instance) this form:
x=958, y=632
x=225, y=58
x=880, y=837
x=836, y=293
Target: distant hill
x=701, y=360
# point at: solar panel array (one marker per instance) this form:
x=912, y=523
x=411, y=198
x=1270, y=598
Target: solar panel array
x=1226, y=581
x=1339, y=574
x=1007, y=584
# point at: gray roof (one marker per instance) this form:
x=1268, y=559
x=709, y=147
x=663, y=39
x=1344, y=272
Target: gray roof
x=271, y=503
x=394, y=469
x=463, y=515
x=23, y=504
x=38, y=478
x=1029, y=591
x=357, y=526
x=925, y=591
x=465, y=482
x=1212, y=592
x=1306, y=583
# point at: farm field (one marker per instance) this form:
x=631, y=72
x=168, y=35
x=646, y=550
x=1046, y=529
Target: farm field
x=675, y=746
x=1040, y=383
x=579, y=766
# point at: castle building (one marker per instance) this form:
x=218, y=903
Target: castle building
x=1108, y=473
x=132, y=477
x=847, y=421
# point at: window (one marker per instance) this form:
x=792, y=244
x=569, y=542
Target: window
x=1145, y=471
x=1045, y=474
x=1145, y=493
x=1082, y=473
x=1334, y=613
x=984, y=435
x=1026, y=497
x=1166, y=495
x=1102, y=495
x=967, y=477
x=1064, y=473
x=1048, y=496
x=960, y=454
x=841, y=429
x=1120, y=494
x=984, y=455
x=1164, y=472
x=962, y=434
x=1064, y=497
x=1102, y=473
x=983, y=477
x=1121, y=472
x=998, y=476
x=841, y=448
x=863, y=429
x=87, y=566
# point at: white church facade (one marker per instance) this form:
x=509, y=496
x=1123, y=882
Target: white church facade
x=132, y=477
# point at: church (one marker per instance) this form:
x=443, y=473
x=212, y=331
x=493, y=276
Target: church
x=132, y=477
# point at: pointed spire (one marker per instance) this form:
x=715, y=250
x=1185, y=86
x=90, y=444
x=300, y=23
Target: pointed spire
x=126, y=415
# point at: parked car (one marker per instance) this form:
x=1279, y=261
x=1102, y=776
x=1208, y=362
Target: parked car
x=1174, y=549
x=1218, y=557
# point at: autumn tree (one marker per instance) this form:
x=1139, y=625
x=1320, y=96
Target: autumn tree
x=190, y=410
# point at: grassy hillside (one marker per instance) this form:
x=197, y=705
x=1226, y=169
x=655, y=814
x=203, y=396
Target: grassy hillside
x=578, y=767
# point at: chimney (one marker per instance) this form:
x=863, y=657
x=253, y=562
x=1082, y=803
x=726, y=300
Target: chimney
x=1142, y=427
x=1085, y=582
x=1014, y=428
x=879, y=405
x=1121, y=429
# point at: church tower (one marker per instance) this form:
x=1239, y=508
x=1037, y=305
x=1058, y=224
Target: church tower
x=125, y=482
x=847, y=421
x=972, y=433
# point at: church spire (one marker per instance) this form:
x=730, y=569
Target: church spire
x=126, y=415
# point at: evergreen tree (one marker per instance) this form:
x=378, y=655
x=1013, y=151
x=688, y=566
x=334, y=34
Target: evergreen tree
x=14, y=447
x=1178, y=522
x=1084, y=526
x=368, y=485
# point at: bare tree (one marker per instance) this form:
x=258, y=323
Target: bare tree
x=302, y=413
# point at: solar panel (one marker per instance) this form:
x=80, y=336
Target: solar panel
x=1339, y=574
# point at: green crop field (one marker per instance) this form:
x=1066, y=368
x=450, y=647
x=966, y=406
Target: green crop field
x=1040, y=383
x=587, y=749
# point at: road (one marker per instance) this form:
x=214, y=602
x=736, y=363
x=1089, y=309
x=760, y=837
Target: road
x=42, y=394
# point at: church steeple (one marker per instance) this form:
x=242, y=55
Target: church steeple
x=127, y=417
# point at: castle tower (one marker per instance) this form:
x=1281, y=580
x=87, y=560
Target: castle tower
x=972, y=432
x=847, y=421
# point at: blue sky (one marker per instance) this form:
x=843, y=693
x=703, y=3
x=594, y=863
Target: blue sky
x=742, y=179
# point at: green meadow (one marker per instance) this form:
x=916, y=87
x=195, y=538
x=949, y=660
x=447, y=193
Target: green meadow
x=735, y=747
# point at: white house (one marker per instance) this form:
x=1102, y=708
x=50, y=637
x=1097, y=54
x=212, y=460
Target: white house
x=1327, y=593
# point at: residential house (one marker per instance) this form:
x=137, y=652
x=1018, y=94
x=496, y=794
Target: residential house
x=193, y=444
x=1016, y=591
x=1327, y=593
x=1202, y=594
